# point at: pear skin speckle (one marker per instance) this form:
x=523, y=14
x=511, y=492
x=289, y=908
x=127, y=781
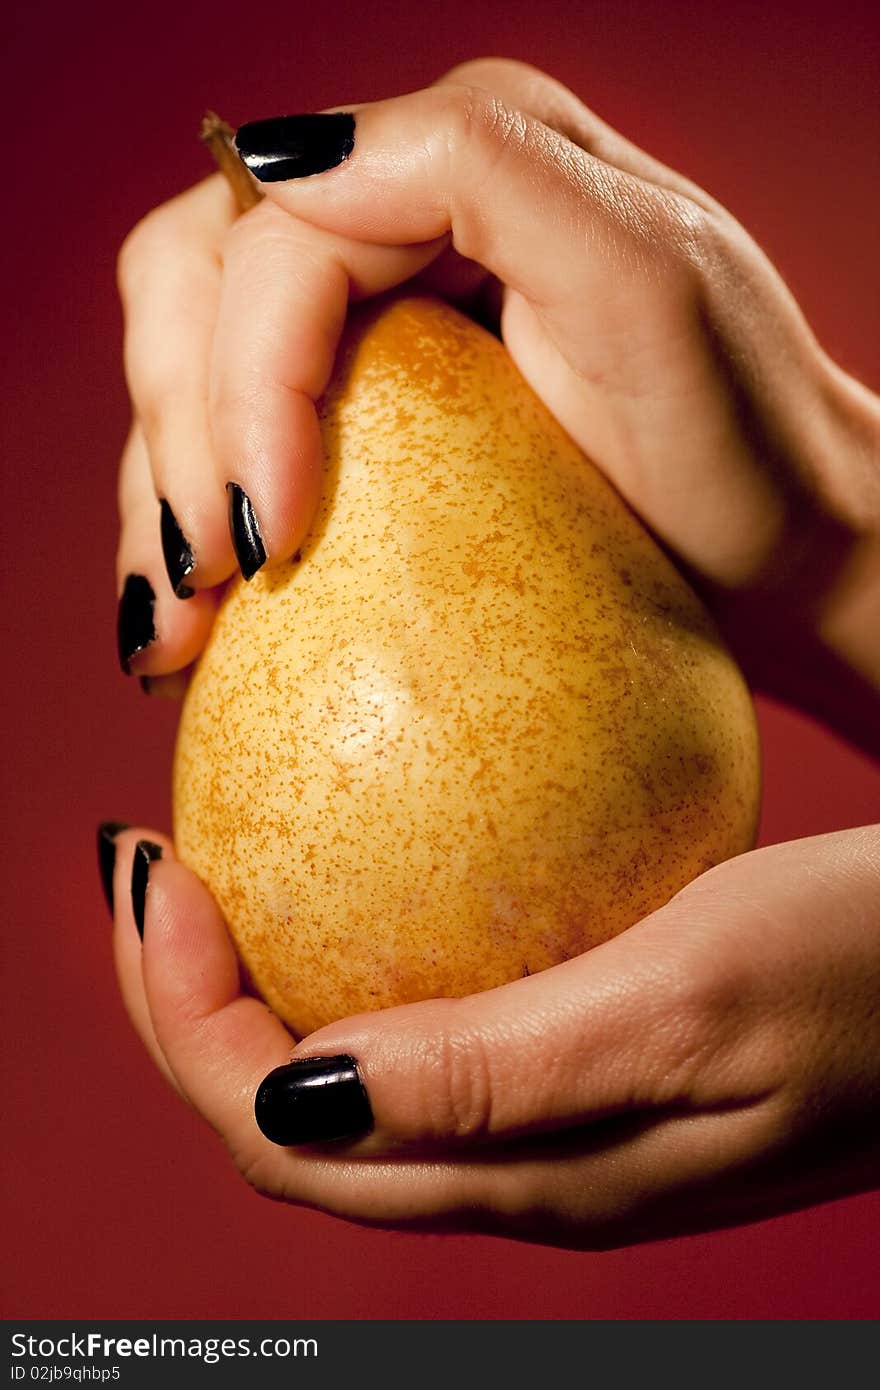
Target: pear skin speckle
x=478, y=725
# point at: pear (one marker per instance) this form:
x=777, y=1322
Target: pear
x=479, y=724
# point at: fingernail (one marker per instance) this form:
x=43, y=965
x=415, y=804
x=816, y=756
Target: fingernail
x=312, y=1100
x=107, y=832
x=179, y=558
x=144, y=854
x=291, y=147
x=135, y=628
x=245, y=531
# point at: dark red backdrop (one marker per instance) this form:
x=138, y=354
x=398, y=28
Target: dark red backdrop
x=118, y=1202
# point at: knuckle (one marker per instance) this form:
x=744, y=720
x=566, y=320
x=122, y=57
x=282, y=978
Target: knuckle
x=234, y=405
x=484, y=72
x=659, y=238
x=248, y=234
x=258, y=1168
x=145, y=242
x=267, y=244
x=574, y=1205
x=665, y=228
x=711, y=1012
x=162, y=399
x=696, y=236
x=457, y=1095
x=704, y=1000
x=477, y=122
x=532, y=90
x=695, y=252
x=478, y=134
x=259, y=226
x=128, y=256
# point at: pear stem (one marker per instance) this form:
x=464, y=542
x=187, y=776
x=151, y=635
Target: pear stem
x=220, y=139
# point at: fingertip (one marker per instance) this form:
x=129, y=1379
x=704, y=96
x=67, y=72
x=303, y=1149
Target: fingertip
x=219, y=1042
x=117, y=842
x=293, y=147
x=313, y=1100
x=193, y=538
x=146, y=852
x=273, y=499
x=189, y=957
x=135, y=619
x=107, y=834
x=156, y=634
x=177, y=551
x=117, y=850
x=245, y=531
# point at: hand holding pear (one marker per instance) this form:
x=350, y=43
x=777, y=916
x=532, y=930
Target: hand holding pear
x=478, y=724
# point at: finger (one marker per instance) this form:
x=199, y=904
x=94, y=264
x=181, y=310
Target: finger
x=285, y=292
x=218, y=1041
x=526, y=88
x=683, y=1011
x=638, y=1173
x=594, y=1187
x=457, y=160
x=605, y=276
x=674, y=1142
x=559, y=1049
x=127, y=942
x=638, y=1178
x=156, y=633
x=169, y=278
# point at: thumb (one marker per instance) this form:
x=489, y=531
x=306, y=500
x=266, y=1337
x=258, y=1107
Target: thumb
x=608, y=1030
x=547, y=218
x=682, y=1012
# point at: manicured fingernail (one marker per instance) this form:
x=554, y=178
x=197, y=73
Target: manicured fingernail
x=245, y=531
x=291, y=147
x=312, y=1100
x=179, y=558
x=107, y=832
x=135, y=628
x=145, y=851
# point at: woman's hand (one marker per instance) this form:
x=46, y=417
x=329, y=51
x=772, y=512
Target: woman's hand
x=639, y=310
x=717, y=1063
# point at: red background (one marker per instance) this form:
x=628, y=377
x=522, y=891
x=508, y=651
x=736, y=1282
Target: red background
x=118, y=1201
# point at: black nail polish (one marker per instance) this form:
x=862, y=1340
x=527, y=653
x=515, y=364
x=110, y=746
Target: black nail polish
x=313, y=1100
x=145, y=851
x=179, y=558
x=245, y=531
x=291, y=147
x=135, y=627
x=107, y=832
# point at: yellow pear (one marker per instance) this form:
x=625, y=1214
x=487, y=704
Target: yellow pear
x=478, y=725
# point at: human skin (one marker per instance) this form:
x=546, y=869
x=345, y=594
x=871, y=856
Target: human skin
x=719, y=1061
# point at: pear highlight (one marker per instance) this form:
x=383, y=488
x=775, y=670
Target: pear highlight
x=479, y=725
